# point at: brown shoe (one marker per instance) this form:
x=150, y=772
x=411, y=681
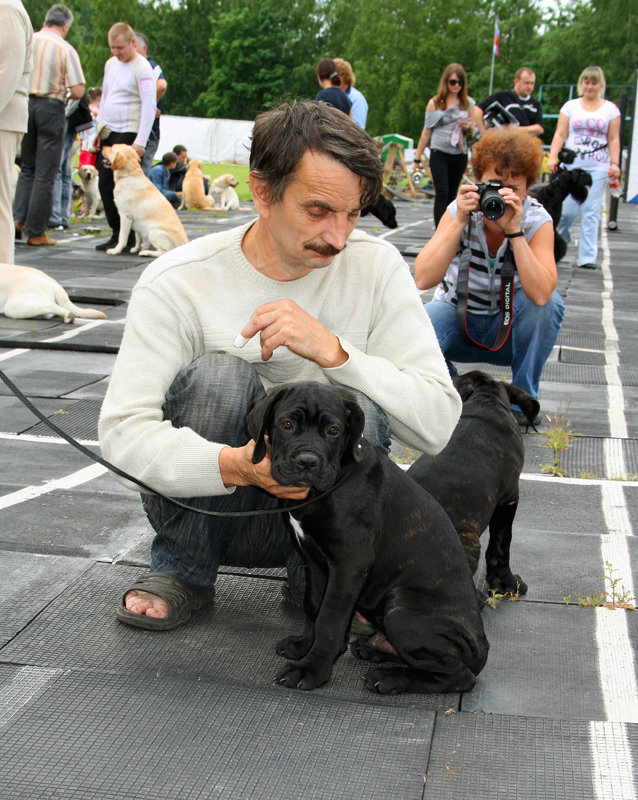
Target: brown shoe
x=19, y=229
x=40, y=241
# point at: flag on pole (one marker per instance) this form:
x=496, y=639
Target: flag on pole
x=497, y=34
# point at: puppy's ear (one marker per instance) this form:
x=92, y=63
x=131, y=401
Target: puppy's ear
x=528, y=405
x=356, y=423
x=465, y=384
x=117, y=162
x=259, y=422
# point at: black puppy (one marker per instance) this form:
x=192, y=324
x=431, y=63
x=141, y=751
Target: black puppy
x=574, y=182
x=384, y=210
x=377, y=542
x=475, y=477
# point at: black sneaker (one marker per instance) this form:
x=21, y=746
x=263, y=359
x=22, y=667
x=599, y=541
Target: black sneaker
x=112, y=242
x=588, y=266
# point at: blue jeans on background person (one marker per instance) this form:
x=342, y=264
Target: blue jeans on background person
x=528, y=346
x=61, y=208
x=590, y=212
x=213, y=396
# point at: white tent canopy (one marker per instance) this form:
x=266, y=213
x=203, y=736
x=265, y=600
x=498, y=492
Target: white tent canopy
x=211, y=140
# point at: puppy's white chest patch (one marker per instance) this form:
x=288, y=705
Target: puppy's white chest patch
x=299, y=534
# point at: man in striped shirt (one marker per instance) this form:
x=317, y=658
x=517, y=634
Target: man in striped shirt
x=57, y=74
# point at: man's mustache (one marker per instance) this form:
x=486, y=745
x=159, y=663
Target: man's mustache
x=323, y=249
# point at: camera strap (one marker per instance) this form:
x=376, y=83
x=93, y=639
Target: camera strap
x=508, y=271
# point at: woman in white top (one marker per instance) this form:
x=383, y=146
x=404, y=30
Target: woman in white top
x=449, y=118
x=590, y=125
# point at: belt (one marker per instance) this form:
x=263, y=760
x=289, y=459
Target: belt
x=43, y=97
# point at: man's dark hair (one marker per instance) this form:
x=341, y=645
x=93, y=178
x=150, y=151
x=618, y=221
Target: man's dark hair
x=179, y=149
x=58, y=16
x=284, y=134
x=169, y=158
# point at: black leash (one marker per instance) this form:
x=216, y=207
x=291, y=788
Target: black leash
x=508, y=271
x=117, y=471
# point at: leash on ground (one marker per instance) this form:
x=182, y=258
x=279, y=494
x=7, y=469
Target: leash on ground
x=122, y=474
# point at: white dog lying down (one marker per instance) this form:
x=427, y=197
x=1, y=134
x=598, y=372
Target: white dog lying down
x=141, y=206
x=221, y=189
x=26, y=292
x=92, y=200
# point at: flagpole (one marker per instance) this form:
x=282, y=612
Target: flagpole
x=493, y=55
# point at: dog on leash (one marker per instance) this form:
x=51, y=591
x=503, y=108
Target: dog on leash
x=377, y=543
x=26, y=292
x=92, y=201
x=574, y=182
x=193, y=193
x=475, y=477
x=142, y=207
x=222, y=190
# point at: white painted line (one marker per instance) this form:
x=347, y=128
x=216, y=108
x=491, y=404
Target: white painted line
x=11, y=353
x=25, y=684
x=612, y=762
x=67, y=482
x=28, y=437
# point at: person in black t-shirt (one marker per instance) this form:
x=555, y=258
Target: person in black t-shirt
x=517, y=102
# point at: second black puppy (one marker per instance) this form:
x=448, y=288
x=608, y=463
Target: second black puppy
x=377, y=542
x=475, y=476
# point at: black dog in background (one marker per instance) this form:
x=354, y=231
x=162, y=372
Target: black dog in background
x=384, y=210
x=574, y=182
x=475, y=476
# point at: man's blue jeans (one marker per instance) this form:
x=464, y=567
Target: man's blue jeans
x=526, y=350
x=590, y=212
x=61, y=208
x=213, y=397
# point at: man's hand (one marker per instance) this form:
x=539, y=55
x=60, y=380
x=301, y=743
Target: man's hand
x=285, y=324
x=139, y=150
x=237, y=469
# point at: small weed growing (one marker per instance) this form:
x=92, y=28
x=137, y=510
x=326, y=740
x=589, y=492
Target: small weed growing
x=495, y=597
x=613, y=597
x=557, y=438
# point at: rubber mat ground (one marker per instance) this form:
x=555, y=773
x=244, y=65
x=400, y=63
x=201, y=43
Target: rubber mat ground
x=93, y=710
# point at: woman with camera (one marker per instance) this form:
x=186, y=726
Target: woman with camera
x=449, y=118
x=589, y=127
x=492, y=262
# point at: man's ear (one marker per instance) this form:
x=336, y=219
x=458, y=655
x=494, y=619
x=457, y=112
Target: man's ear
x=260, y=190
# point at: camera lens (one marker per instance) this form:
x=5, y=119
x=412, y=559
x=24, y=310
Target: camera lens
x=493, y=205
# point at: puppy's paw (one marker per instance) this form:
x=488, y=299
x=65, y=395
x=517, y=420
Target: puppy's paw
x=293, y=647
x=375, y=648
x=387, y=681
x=114, y=251
x=507, y=583
x=302, y=676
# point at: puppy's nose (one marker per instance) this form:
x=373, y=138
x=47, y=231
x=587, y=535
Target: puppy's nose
x=307, y=461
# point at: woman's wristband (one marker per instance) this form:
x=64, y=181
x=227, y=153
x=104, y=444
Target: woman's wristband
x=514, y=235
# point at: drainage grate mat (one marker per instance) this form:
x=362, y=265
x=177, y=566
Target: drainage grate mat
x=78, y=420
x=97, y=737
x=233, y=640
x=506, y=758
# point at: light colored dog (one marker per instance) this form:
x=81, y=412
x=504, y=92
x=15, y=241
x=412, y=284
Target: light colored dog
x=222, y=191
x=92, y=200
x=141, y=206
x=26, y=292
x=193, y=194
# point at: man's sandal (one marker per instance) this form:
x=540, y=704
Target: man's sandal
x=181, y=599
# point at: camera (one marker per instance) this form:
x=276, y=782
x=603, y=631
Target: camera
x=492, y=203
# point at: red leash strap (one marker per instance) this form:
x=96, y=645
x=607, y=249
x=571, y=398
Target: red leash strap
x=508, y=271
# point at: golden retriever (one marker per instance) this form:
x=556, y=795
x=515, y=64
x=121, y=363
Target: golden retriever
x=193, y=194
x=26, y=292
x=222, y=191
x=92, y=200
x=141, y=206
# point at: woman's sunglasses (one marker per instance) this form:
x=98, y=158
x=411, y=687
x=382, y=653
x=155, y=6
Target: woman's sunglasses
x=454, y=82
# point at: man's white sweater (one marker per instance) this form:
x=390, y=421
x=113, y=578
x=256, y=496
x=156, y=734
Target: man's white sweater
x=197, y=298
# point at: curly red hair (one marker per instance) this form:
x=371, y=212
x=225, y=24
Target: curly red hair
x=508, y=149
